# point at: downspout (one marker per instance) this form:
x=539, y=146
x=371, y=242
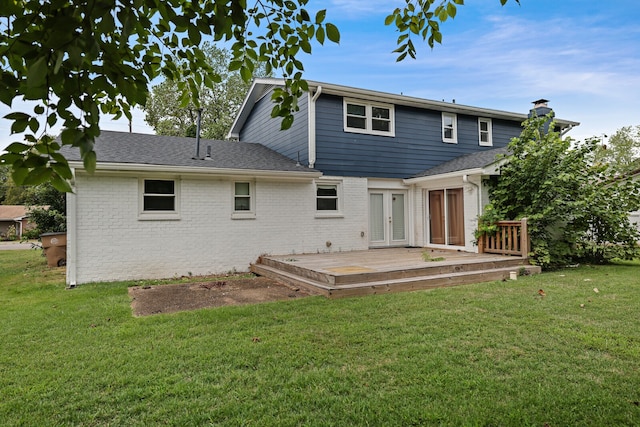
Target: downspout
x=312, y=126
x=72, y=235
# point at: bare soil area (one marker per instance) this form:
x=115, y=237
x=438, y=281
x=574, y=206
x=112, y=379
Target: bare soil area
x=146, y=300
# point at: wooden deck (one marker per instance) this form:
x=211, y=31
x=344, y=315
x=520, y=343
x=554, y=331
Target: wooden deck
x=342, y=274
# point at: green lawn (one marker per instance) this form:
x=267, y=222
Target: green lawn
x=486, y=354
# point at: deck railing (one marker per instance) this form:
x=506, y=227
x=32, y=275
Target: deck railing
x=511, y=238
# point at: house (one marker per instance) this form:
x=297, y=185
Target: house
x=16, y=216
x=422, y=162
x=358, y=169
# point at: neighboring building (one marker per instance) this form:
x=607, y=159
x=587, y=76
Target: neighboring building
x=16, y=216
x=358, y=169
x=634, y=217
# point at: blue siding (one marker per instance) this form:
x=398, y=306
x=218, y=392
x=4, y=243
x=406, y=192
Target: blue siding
x=417, y=144
x=261, y=128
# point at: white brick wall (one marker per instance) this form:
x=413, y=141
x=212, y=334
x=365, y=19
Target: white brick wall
x=113, y=244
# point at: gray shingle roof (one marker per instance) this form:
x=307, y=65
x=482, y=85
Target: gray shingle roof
x=136, y=148
x=467, y=161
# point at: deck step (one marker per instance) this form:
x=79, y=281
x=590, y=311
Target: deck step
x=387, y=285
x=357, y=277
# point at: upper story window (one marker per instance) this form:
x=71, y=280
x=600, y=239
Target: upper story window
x=243, y=200
x=485, y=132
x=159, y=199
x=449, y=128
x=370, y=118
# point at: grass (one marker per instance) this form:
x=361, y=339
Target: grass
x=487, y=354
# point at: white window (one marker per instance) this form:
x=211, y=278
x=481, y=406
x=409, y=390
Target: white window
x=370, y=118
x=243, y=200
x=159, y=199
x=328, y=199
x=485, y=132
x=449, y=128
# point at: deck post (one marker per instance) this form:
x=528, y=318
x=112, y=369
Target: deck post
x=524, y=238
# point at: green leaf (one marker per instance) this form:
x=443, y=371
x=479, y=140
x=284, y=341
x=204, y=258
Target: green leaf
x=246, y=74
x=320, y=16
x=19, y=172
x=19, y=126
x=287, y=121
x=451, y=10
x=61, y=184
x=333, y=33
x=37, y=73
x=320, y=35
x=17, y=147
x=37, y=176
x=62, y=169
x=89, y=159
x=194, y=34
x=389, y=19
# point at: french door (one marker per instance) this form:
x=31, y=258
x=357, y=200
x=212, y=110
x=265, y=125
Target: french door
x=446, y=217
x=387, y=218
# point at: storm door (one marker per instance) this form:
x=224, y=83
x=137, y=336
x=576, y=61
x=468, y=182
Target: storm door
x=387, y=218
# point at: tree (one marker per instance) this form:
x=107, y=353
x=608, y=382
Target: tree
x=219, y=104
x=50, y=219
x=78, y=59
x=622, y=151
x=53, y=218
x=10, y=193
x=577, y=209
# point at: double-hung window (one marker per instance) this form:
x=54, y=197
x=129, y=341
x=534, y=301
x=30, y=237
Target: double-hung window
x=328, y=199
x=367, y=117
x=449, y=128
x=243, y=200
x=159, y=199
x=485, y=132
x=242, y=197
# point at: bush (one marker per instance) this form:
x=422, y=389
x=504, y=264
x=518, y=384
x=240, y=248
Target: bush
x=577, y=209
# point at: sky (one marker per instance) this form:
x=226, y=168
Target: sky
x=581, y=55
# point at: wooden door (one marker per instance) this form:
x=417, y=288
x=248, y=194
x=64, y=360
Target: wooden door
x=436, y=217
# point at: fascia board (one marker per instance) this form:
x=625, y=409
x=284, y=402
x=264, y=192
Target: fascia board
x=456, y=174
x=117, y=168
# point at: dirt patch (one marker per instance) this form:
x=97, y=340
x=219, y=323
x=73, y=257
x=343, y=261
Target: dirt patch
x=146, y=300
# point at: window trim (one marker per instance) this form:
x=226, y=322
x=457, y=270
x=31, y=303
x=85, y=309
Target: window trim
x=158, y=215
x=248, y=214
x=369, y=117
x=454, y=138
x=489, y=142
x=339, y=199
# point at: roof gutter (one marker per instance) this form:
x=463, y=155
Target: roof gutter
x=456, y=174
x=202, y=171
